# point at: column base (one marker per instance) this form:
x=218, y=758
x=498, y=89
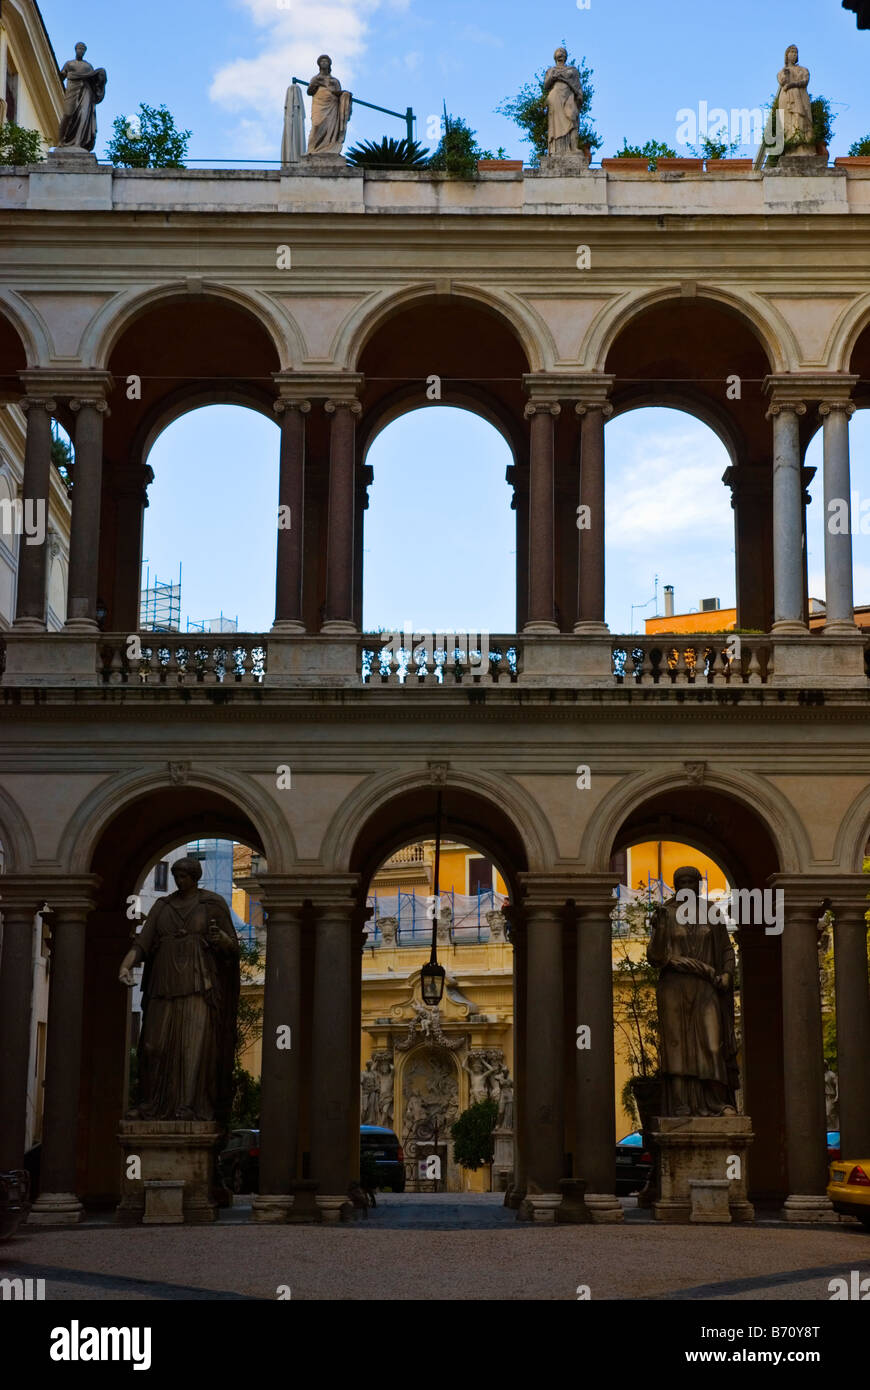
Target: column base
x=790, y=627
x=542, y=1207
x=542, y=625
x=56, y=1209
x=605, y=1208
x=808, y=1210
x=287, y=627
x=330, y=1208
x=340, y=627
x=82, y=627
x=587, y=627
x=271, y=1210
x=28, y=625
x=843, y=628
x=573, y=1210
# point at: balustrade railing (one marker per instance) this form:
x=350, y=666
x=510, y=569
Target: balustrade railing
x=176, y=658
x=714, y=659
x=498, y=659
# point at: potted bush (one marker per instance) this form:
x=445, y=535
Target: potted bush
x=640, y=157
x=859, y=154
x=473, y=1144
x=500, y=164
x=458, y=151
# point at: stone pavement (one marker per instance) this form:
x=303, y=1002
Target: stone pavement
x=441, y=1246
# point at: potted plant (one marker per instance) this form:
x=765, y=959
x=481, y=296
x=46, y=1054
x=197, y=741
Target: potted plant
x=473, y=1144
x=640, y=157
x=500, y=164
x=458, y=152
x=859, y=154
x=388, y=154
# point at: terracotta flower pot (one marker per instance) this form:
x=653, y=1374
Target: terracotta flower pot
x=491, y=166
x=821, y=148
x=667, y=163
x=627, y=164
x=727, y=166
x=855, y=161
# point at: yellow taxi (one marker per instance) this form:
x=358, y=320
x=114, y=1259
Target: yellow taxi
x=849, y=1188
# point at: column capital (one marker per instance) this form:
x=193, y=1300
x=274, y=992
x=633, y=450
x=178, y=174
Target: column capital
x=828, y=407
x=590, y=388
x=96, y=402
x=785, y=408
x=336, y=385
x=333, y=404
x=285, y=403
x=295, y=891
x=806, y=895
x=587, y=407
x=786, y=387
x=539, y=407
x=81, y=383
x=47, y=403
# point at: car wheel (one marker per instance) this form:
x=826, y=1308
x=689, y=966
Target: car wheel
x=238, y=1184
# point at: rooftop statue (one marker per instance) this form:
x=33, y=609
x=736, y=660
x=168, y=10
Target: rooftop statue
x=793, y=105
x=564, y=97
x=330, y=110
x=85, y=89
x=695, y=996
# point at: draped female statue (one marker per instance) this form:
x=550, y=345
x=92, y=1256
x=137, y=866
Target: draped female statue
x=793, y=105
x=85, y=89
x=330, y=110
x=564, y=99
x=695, y=996
x=190, y=992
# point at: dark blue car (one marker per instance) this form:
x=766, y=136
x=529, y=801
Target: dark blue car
x=387, y=1152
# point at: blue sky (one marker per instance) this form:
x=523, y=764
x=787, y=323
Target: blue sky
x=439, y=530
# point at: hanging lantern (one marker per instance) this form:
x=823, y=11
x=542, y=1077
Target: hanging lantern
x=432, y=974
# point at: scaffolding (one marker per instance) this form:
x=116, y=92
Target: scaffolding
x=221, y=624
x=160, y=605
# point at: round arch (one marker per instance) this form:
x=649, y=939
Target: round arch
x=190, y=398
x=120, y=314
x=406, y=399
x=156, y=815
x=853, y=834
x=22, y=321
x=378, y=313
x=16, y=836
x=778, y=347
x=850, y=328
x=393, y=810
x=690, y=403
x=744, y=828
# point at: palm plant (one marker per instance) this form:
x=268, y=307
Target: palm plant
x=389, y=153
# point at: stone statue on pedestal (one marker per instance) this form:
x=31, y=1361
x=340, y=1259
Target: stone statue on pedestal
x=369, y=1087
x=793, y=106
x=505, y=1119
x=85, y=89
x=330, y=110
x=382, y=1064
x=478, y=1071
x=190, y=990
x=564, y=98
x=695, y=994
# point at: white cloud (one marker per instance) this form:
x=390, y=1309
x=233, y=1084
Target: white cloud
x=294, y=33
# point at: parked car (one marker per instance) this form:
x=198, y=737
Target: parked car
x=14, y=1200
x=833, y=1145
x=633, y=1164
x=239, y=1163
x=388, y=1154
x=849, y=1188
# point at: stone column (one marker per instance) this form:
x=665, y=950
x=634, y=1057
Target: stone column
x=335, y=1054
x=341, y=521
x=595, y=1156
x=84, y=546
x=517, y=1190
x=853, y=1025
x=788, y=561
x=279, y=1096
x=839, y=605
x=803, y=1069
x=32, y=570
x=19, y=907
x=590, y=575
x=291, y=496
x=541, y=617
x=543, y=1125
x=58, y=1203
x=130, y=489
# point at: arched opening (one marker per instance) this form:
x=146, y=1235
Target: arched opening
x=168, y=360
x=735, y=838
x=421, y=1068
x=668, y=520
x=439, y=531
x=211, y=513
x=817, y=520
x=462, y=354
x=142, y=834
x=698, y=355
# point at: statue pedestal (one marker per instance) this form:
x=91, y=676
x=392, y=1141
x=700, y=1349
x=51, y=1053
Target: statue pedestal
x=702, y=1149
x=502, y=1159
x=169, y=1152
x=564, y=165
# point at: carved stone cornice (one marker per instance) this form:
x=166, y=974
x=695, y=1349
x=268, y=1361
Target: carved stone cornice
x=67, y=382
x=336, y=386
x=790, y=389
x=295, y=891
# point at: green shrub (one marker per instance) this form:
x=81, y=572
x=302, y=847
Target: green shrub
x=19, y=145
x=652, y=151
x=148, y=141
x=472, y=1134
x=458, y=150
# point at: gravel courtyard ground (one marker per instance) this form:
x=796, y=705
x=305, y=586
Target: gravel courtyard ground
x=438, y=1246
